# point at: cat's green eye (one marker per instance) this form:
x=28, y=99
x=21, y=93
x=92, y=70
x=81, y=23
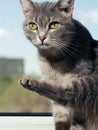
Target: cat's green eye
x=33, y=26
x=54, y=25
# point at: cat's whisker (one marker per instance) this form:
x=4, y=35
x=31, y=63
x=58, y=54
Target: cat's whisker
x=81, y=46
x=58, y=49
x=73, y=49
x=64, y=50
x=68, y=51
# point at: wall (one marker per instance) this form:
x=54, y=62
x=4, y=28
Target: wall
x=11, y=66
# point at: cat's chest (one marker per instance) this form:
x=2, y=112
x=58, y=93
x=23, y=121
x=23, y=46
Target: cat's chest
x=49, y=74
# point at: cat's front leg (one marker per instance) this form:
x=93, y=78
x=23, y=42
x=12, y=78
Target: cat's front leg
x=40, y=87
x=62, y=116
x=77, y=127
x=45, y=89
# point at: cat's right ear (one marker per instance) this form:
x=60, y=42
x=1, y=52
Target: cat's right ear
x=66, y=7
x=27, y=6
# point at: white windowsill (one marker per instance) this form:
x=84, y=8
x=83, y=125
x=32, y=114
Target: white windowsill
x=26, y=123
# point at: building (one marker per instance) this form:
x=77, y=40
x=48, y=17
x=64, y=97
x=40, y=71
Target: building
x=11, y=66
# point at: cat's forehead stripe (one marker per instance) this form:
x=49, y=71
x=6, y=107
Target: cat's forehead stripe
x=44, y=12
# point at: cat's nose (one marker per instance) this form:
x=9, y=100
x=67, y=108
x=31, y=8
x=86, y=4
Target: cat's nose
x=42, y=38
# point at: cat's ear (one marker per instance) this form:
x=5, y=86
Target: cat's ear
x=27, y=6
x=66, y=7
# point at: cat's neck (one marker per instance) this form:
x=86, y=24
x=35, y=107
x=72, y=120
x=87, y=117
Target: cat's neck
x=51, y=55
x=59, y=62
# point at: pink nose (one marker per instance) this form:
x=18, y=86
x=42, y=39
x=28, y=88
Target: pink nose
x=42, y=38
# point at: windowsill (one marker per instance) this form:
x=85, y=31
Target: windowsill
x=26, y=121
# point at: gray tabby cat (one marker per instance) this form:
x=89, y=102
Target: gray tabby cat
x=67, y=57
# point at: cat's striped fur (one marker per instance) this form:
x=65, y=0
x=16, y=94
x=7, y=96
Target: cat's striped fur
x=67, y=57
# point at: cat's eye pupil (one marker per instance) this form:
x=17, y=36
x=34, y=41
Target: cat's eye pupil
x=54, y=25
x=33, y=26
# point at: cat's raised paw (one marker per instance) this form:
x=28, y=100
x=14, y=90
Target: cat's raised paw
x=26, y=81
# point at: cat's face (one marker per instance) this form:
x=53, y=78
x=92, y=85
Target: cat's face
x=46, y=24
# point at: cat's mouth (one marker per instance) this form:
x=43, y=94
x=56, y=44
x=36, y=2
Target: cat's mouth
x=44, y=46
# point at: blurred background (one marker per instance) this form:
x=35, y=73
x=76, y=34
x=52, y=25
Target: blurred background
x=19, y=56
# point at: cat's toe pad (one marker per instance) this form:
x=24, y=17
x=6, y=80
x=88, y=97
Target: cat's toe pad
x=26, y=81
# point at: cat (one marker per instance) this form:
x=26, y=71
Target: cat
x=68, y=60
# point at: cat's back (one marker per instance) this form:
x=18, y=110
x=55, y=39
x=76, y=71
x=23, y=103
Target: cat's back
x=95, y=44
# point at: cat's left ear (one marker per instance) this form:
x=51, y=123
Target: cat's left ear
x=66, y=7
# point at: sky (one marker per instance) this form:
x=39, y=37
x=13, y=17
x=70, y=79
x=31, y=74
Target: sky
x=13, y=43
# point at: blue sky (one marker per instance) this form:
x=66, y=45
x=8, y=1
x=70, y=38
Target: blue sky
x=13, y=42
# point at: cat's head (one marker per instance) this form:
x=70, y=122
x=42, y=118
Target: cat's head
x=47, y=24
